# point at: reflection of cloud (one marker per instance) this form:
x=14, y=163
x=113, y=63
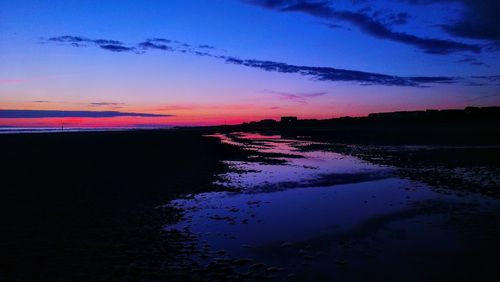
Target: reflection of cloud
x=61, y=114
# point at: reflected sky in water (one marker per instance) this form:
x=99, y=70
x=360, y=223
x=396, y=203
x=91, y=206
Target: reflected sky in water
x=316, y=211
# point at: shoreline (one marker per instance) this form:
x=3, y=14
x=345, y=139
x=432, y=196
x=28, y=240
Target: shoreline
x=91, y=205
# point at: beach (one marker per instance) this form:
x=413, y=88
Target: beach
x=81, y=206
x=195, y=204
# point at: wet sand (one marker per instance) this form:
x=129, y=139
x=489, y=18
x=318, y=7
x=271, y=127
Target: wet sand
x=181, y=205
x=326, y=216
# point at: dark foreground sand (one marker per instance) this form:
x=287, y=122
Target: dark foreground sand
x=80, y=206
x=84, y=206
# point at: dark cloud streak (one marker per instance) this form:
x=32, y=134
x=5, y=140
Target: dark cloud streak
x=317, y=73
x=98, y=104
x=78, y=39
x=334, y=74
x=480, y=19
x=117, y=48
x=65, y=114
x=367, y=24
x=300, y=98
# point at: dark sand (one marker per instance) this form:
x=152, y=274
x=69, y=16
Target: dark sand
x=81, y=206
x=86, y=206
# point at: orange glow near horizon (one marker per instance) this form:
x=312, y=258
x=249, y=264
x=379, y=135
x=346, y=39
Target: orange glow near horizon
x=131, y=122
x=182, y=115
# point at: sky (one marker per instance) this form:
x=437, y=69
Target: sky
x=200, y=62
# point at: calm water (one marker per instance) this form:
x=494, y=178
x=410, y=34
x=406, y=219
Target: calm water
x=318, y=215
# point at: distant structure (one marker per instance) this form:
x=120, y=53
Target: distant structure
x=288, y=120
x=468, y=112
x=268, y=122
x=429, y=116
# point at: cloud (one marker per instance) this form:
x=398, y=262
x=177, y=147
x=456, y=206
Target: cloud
x=368, y=24
x=106, y=44
x=182, y=107
x=78, y=39
x=161, y=44
x=487, y=78
x=40, y=101
x=64, y=114
x=117, y=48
x=334, y=26
x=177, y=107
x=480, y=19
x=206, y=46
x=396, y=18
x=334, y=74
x=300, y=98
x=22, y=80
x=151, y=45
x=483, y=97
x=99, y=104
x=472, y=61
x=164, y=40
x=314, y=72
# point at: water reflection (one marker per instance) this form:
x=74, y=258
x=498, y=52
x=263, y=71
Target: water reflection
x=315, y=215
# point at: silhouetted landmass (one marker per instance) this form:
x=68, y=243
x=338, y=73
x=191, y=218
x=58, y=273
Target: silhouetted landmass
x=472, y=125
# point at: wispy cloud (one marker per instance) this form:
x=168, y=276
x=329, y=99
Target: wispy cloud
x=64, y=114
x=483, y=97
x=83, y=40
x=117, y=48
x=204, y=46
x=21, y=80
x=320, y=73
x=471, y=60
x=162, y=44
x=103, y=104
x=371, y=24
x=479, y=19
x=300, y=98
x=186, y=107
x=334, y=74
x=176, y=107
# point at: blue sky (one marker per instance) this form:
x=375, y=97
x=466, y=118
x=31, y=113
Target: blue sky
x=264, y=61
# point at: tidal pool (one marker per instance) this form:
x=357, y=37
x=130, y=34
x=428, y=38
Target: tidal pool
x=316, y=215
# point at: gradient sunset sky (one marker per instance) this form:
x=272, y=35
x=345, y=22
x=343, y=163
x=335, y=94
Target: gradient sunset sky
x=195, y=62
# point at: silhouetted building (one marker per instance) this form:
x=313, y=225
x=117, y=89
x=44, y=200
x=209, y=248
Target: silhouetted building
x=440, y=114
x=288, y=120
x=268, y=122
